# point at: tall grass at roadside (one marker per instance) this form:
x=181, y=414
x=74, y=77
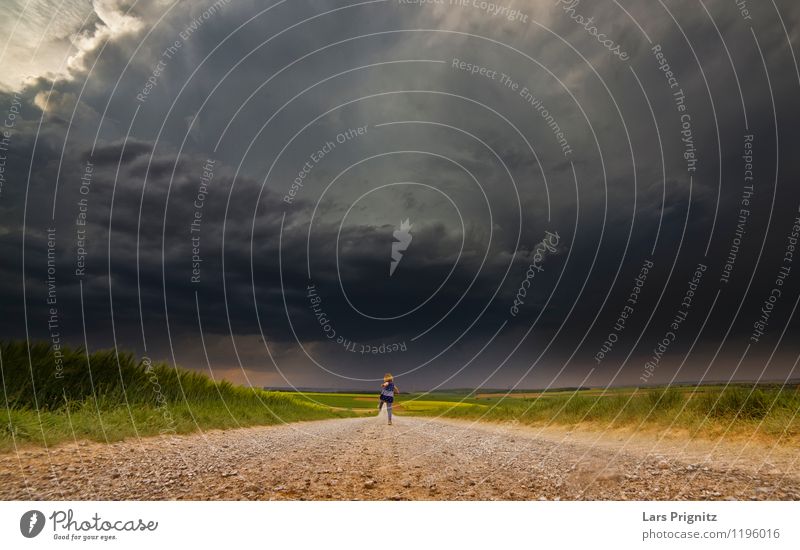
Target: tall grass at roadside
x=105, y=396
x=739, y=409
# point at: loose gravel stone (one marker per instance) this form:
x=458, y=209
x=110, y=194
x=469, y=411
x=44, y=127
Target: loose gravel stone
x=416, y=459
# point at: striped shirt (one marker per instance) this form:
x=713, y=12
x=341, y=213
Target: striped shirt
x=387, y=392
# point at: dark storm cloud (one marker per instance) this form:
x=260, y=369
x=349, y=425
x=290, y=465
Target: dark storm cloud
x=119, y=152
x=620, y=207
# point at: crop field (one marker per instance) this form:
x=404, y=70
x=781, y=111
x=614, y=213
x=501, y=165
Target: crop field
x=768, y=410
x=352, y=401
x=126, y=397
x=48, y=399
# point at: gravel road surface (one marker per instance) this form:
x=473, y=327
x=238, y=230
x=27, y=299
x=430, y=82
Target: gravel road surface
x=416, y=459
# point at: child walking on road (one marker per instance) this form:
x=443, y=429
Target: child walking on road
x=388, y=389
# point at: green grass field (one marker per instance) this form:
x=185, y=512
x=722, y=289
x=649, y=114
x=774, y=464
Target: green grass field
x=768, y=410
x=105, y=397
x=352, y=401
x=108, y=398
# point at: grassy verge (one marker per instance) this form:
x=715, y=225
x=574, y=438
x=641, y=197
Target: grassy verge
x=352, y=401
x=62, y=397
x=768, y=412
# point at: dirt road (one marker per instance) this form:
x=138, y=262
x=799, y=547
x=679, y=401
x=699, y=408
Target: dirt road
x=417, y=458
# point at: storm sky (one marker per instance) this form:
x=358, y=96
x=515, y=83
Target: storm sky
x=595, y=192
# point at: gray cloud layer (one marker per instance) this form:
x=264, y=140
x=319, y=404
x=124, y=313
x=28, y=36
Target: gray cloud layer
x=152, y=92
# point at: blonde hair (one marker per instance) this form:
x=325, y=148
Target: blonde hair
x=388, y=377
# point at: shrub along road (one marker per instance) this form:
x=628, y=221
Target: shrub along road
x=417, y=458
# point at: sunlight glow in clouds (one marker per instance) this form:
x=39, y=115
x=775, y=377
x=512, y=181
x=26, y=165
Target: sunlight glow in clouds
x=45, y=41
